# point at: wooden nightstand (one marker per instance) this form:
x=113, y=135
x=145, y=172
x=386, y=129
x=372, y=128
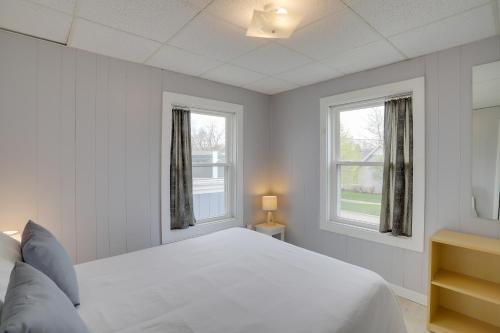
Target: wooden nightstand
x=271, y=229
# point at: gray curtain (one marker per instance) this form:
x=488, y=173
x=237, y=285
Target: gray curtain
x=181, y=179
x=397, y=192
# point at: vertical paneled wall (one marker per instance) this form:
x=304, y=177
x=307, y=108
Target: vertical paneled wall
x=80, y=139
x=295, y=151
x=76, y=148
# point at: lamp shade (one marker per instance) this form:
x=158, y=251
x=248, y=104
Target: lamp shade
x=269, y=202
x=14, y=234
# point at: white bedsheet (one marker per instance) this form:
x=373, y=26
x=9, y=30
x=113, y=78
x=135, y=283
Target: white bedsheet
x=234, y=280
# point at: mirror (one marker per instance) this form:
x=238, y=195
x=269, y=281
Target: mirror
x=486, y=140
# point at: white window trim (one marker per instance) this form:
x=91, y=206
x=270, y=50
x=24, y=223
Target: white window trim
x=172, y=99
x=417, y=87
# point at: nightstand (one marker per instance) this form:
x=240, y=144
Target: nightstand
x=271, y=229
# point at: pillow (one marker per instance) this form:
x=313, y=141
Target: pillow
x=10, y=252
x=43, y=251
x=35, y=304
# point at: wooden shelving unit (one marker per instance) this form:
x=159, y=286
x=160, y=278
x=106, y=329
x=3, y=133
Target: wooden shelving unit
x=464, y=283
x=447, y=321
x=481, y=289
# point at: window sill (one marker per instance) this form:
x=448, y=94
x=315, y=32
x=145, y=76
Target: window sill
x=413, y=243
x=200, y=229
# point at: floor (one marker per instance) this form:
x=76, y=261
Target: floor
x=415, y=316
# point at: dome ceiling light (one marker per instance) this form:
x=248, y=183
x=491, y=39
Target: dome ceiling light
x=273, y=22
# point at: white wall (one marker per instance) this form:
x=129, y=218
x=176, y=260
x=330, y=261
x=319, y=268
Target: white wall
x=80, y=144
x=80, y=149
x=295, y=154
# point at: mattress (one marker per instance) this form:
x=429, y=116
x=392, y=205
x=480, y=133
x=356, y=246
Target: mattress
x=235, y=280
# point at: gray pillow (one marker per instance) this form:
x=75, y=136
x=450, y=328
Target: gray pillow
x=43, y=251
x=34, y=304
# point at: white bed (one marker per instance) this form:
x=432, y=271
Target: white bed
x=234, y=280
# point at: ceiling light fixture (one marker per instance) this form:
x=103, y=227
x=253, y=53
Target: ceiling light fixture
x=273, y=22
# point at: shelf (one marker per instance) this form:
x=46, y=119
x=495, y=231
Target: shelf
x=471, y=242
x=474, y=287
x=446, y=321
x=464, y=280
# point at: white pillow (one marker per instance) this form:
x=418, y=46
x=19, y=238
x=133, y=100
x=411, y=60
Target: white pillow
x=10, y=252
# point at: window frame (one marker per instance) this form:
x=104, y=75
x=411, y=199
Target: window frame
x=337, y=162
x=209, y=106
x=330, y=223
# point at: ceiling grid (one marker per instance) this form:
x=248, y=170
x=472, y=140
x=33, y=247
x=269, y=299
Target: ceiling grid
x=206, y=38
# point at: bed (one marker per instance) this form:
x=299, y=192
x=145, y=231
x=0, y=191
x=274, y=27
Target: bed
x=235, y=280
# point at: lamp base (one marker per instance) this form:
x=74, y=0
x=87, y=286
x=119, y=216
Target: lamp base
x=270, y=218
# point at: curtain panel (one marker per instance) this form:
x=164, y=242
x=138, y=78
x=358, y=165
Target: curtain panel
x=397, y=193
x=181, y=179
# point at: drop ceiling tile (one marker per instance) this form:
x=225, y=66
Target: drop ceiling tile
x=331, y=35
x=96, y=38
x=66, y=6
x=35, y=20
x=210, y=36
x=232, y=75
x=271, y=86
x=239, y=12
x=271, y=59
x=152, y=19
x=309, y=74
x=364, y=57
x=460, y=29
x=394, y=16
x=177, y=60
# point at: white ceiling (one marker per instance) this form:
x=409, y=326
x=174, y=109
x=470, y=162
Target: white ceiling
x=206, y=38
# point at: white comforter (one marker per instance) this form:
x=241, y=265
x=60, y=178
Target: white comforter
x=234, y=280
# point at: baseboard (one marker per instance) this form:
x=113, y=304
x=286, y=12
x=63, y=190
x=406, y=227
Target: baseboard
x=409, y=294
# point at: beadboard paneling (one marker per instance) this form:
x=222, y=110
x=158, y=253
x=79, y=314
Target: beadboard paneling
x=18, y=130
x=295, y=164
x=85, y=160
x=67, y=145
x=48, y=136
x=117, y=138
x=80, y=139
x=137, y=158
x=101, y=158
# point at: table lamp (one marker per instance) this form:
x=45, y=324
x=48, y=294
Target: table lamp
x=269, y=204
x=14, y=234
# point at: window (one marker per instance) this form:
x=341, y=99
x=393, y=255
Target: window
x=213, y=164
x=358, y=163
x=352, y=160
x=217, y=161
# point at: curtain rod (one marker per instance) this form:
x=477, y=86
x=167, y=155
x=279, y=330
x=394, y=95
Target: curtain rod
x=399, y=96
x=199, y=109
x=180, y=106
x=373, y=100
